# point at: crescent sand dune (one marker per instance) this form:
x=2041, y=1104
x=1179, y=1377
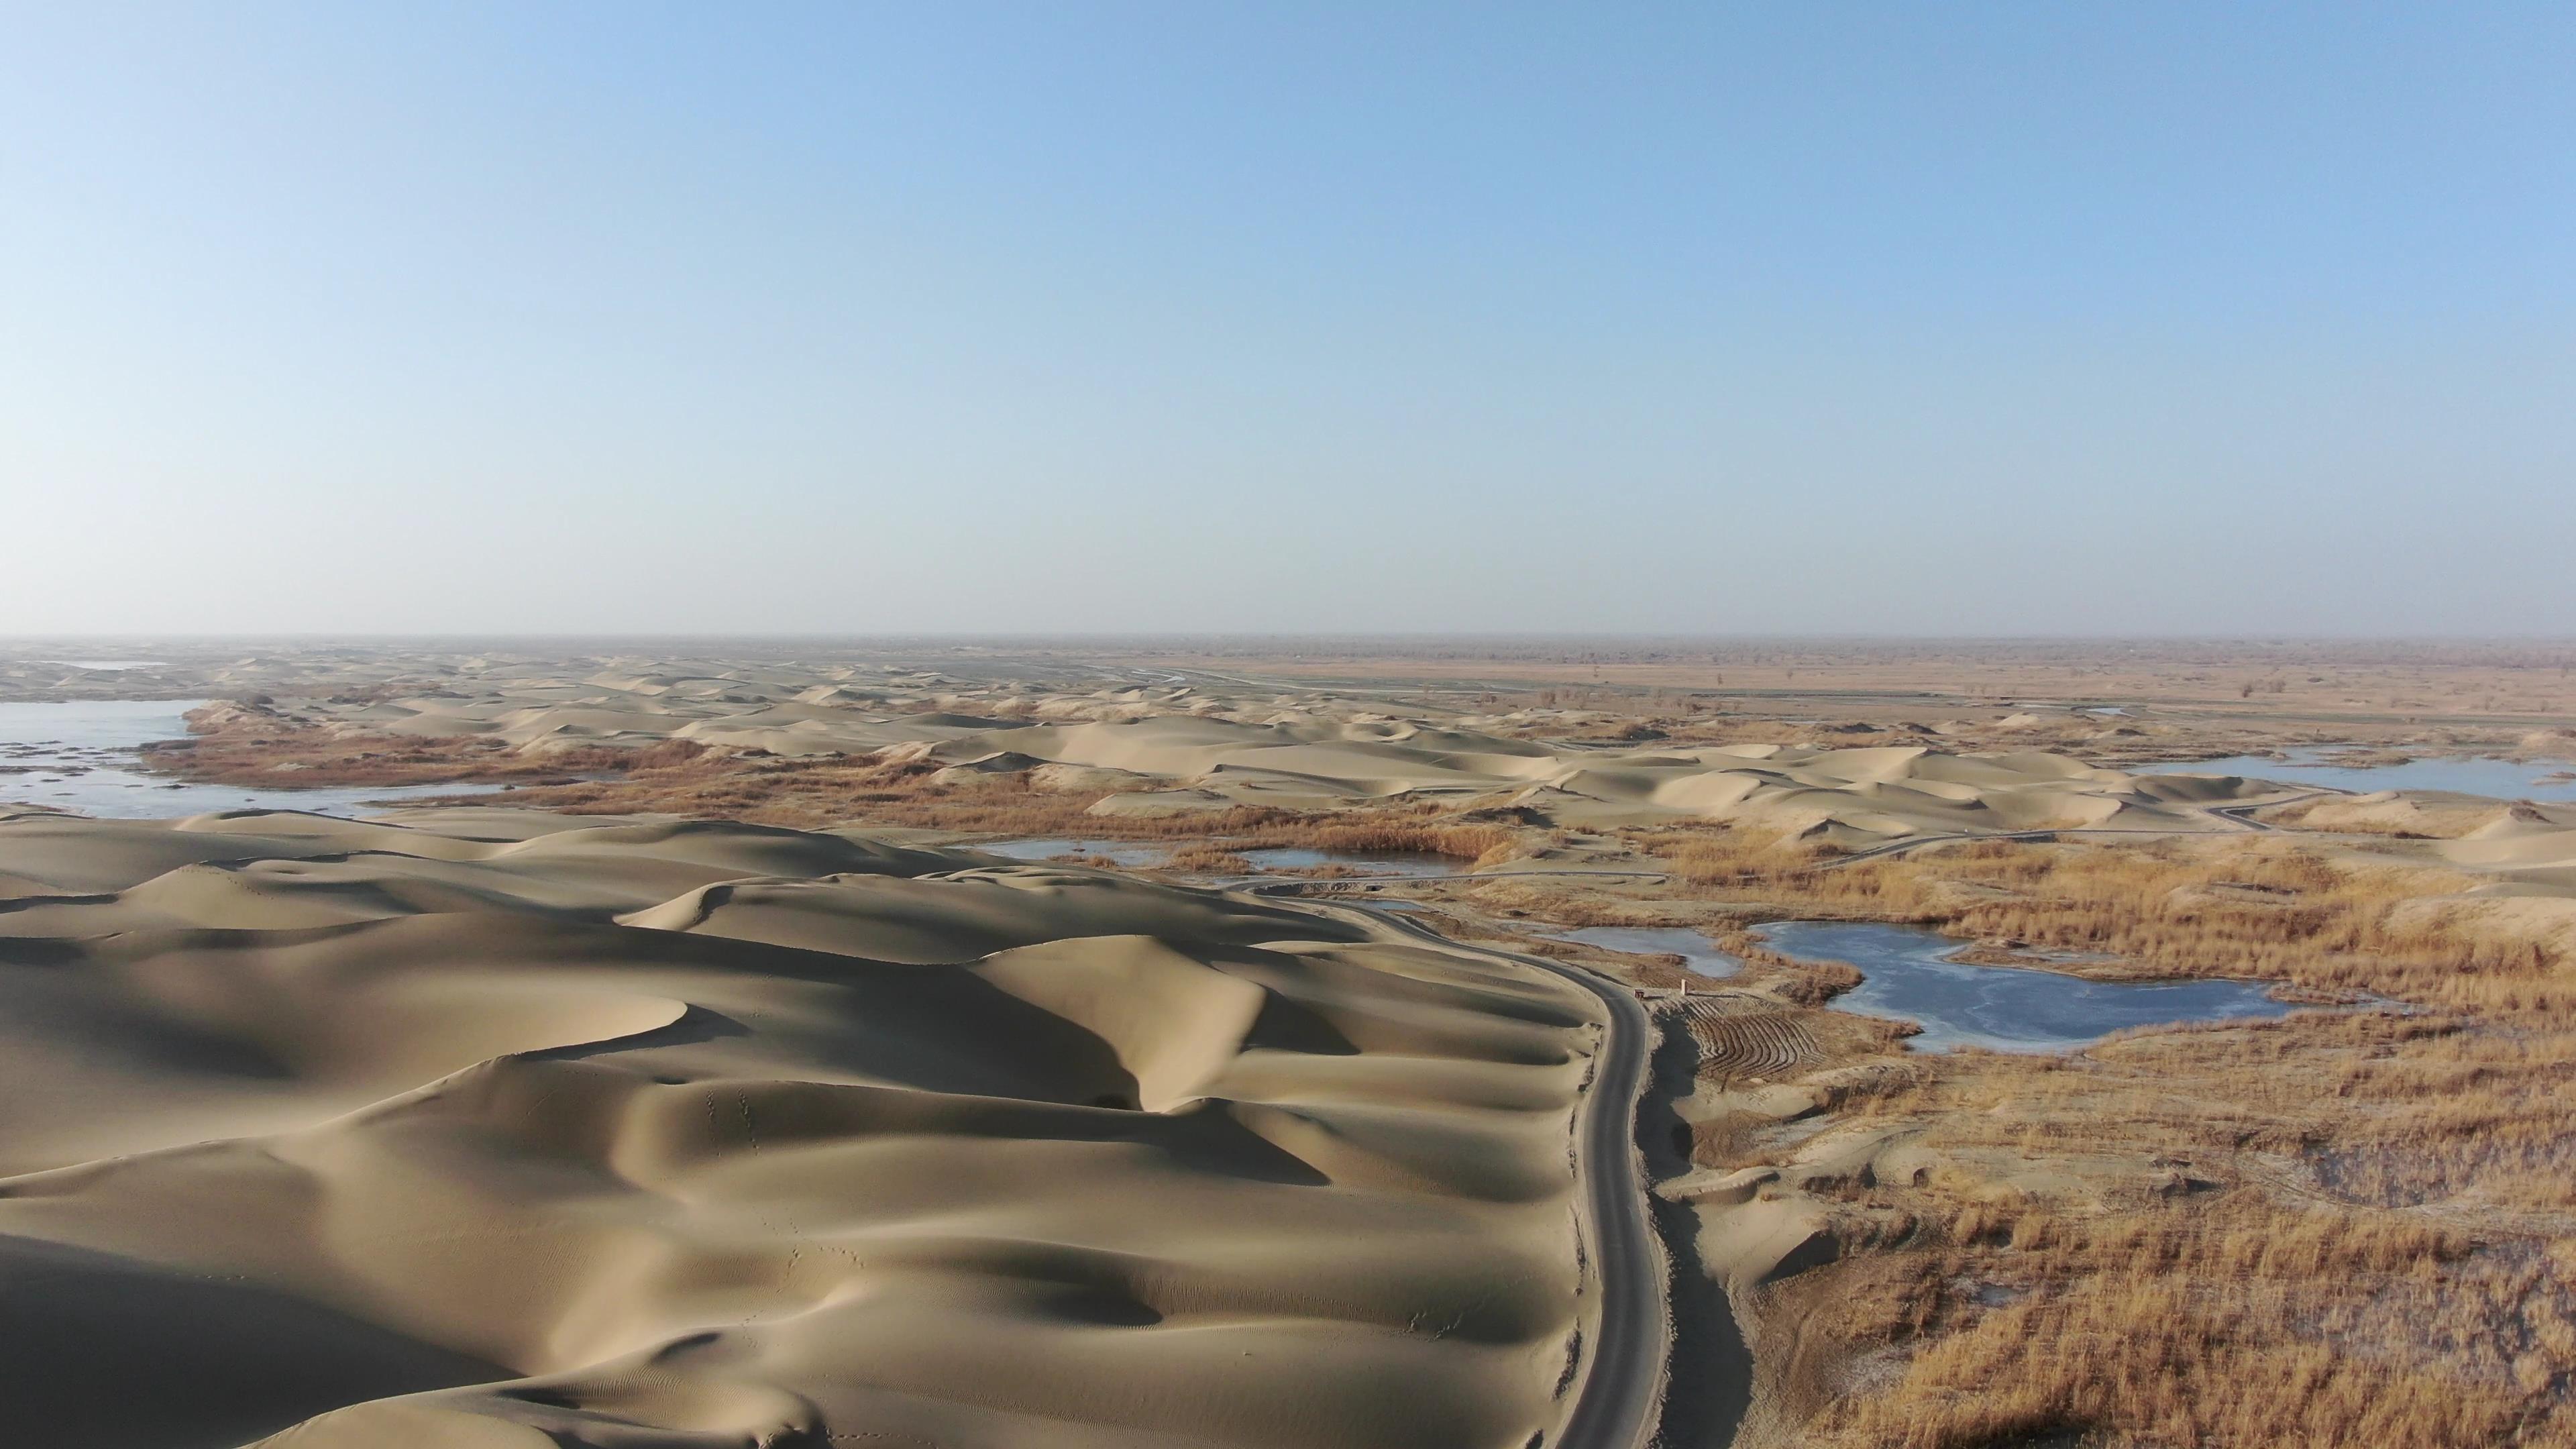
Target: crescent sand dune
x=493, y=1128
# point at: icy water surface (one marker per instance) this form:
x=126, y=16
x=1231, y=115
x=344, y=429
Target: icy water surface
x=1134, y=855
x=1123, y=852
x=2501, y=779
x=1297, y=857
x=2001, y=1008
x=1699, y=957
x=80, y=757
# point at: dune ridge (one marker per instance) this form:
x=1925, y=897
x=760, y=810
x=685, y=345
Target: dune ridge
x=1149, y=750
x=495, y=1128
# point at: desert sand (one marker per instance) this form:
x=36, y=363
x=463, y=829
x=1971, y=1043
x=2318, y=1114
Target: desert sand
x=478, y=1114
x=497, y=1128
x=1177, y=749
x=1854, y=747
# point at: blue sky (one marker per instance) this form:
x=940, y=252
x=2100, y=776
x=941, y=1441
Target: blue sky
x=2009, y=318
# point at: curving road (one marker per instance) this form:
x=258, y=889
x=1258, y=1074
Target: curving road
x=1623, y=1382
x=1624, y=1362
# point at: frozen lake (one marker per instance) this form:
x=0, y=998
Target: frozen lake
x=2001, y=1008
x=80, y=757
x=1700, y=957
x=2500, y=779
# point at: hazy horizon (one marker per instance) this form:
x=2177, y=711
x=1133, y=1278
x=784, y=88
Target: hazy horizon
x=35, y=638
x=2186, y=323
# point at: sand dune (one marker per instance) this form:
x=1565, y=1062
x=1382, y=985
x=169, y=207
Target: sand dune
x=2528, y=854
x=491, y=1128
x=1848, y=794
x=1182, y=748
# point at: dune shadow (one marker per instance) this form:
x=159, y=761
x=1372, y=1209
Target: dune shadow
x=1710, y=1384
x=107, y=1350
x=696, y=1024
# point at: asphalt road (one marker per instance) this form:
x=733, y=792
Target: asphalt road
x=1623, y=1365
x=1623, y=1382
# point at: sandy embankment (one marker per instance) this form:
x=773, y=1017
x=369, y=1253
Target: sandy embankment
x=497, y=1126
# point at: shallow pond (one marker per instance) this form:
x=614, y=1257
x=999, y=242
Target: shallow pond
x=1122, y=852
x=1140, y=855
x=2001, y=1008
x=2500, y=779
x=1298, y=857
x=81, y=756
x=1699, y=957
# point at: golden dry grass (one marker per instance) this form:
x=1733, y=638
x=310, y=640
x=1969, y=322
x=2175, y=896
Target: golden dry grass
x=1203, y=858
x=841, y=790
x=2245, y=906
x=2356, y=1230
x=2232, y=1287
x=2149, y=1354
x=246, y=751
x=2336, y=1230
x=682, y=777
x=2344, y=1230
